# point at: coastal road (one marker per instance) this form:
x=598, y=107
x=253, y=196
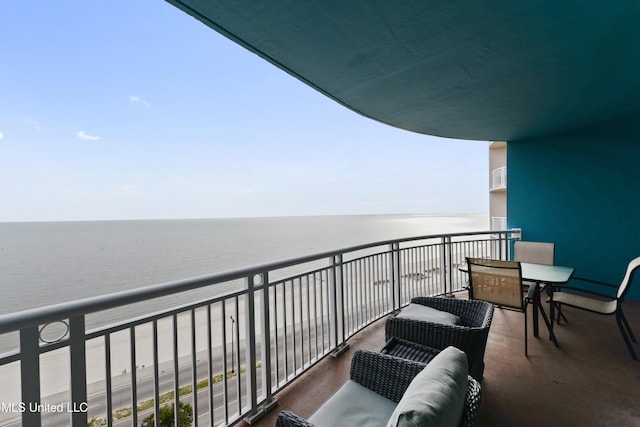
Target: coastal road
x=121, y=394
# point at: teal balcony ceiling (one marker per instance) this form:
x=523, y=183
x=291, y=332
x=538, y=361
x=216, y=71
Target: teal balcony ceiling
x=469, y=69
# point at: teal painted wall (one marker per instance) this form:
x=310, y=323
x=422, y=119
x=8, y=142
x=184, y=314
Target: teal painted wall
x=580, y=190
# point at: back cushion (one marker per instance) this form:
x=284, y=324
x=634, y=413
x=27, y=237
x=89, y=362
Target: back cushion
x=424, y=313
x=436, y=395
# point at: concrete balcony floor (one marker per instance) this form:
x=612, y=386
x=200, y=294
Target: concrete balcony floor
x=590, y=380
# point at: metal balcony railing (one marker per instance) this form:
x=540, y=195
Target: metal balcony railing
x=227, y=354
x=498, y=222
x=499, y=178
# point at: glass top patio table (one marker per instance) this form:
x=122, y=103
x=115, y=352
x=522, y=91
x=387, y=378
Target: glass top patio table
x=541, y=274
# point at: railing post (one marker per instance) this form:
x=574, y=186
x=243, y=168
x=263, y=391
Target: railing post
x=250, y=350
x=333, y=305
x=194, y=369
x=450, y=264
x=265, y=346
x=337, y=306
x=516, y=234
x=30, y=375
x=176, y=375
x=396, y=296
x=78, y=371
x=445, y=262
x=270, y=401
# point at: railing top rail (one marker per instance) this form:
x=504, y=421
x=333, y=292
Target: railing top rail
x=33, y=317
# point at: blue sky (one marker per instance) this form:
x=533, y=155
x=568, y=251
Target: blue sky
x=133, y=109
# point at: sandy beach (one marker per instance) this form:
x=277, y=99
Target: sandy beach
x=55, y=365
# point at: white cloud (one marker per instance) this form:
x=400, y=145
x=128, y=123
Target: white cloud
x=137, y=100
x=1, y=136
x=86, y=137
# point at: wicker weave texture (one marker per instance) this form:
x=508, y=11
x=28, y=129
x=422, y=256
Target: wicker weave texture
x=470, y=336
x=472, y=402
x=289, y=419
x=390, y=376
x=409, y=350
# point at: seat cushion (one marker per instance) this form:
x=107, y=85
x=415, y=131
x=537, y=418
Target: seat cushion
x=436, y=395
x=424, y=313
x=581, y=301
x=354, y=405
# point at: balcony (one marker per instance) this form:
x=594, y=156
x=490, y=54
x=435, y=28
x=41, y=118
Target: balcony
x=261, y=344
x=498, y=222
x=499, y=179
x=589, y=381
x=237, y=347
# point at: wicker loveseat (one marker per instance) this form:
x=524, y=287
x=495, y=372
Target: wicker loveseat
x=382, y=387
x=470, y=335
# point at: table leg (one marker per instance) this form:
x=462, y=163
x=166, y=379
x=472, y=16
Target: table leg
x=552, y=336
x=536, y=305
x=551, y=310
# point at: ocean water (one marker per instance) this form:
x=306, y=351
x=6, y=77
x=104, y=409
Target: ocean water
x=53, y=262
x=49, y=263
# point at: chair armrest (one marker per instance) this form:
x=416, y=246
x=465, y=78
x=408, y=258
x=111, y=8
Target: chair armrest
x=472, y=313
x=389, y=376
x=289, y=419
x=531, y=292
x=597, y=282
x=608, y=287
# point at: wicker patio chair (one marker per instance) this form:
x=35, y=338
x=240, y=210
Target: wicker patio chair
x=389, y=376
x=469, y=336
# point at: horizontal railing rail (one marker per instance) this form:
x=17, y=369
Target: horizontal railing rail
x=224, y=354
